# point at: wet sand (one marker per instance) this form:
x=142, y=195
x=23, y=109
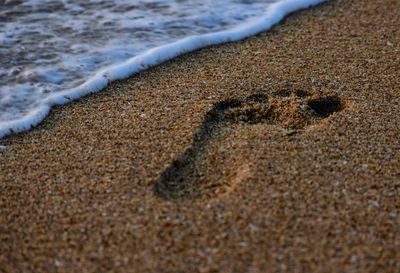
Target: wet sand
x=280, y=153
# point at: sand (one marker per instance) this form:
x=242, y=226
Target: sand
x=286, y=149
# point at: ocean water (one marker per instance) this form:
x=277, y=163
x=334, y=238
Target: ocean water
x=54, y=51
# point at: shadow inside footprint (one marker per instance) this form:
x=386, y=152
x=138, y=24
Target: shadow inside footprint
x=185, y=178
x=325, y=106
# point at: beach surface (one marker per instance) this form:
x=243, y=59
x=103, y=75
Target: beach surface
x=286, y=146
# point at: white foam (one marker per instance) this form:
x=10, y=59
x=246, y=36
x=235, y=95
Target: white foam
x=273, y=15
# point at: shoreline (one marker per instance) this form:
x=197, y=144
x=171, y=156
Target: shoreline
x=152, y=57
x=308, y=181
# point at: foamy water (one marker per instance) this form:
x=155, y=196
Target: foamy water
x=54, y=51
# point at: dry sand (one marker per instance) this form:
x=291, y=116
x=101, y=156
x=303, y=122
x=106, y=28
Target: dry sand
x=302, y=177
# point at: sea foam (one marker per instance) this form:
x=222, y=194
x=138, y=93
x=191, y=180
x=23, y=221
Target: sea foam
x=75, y=60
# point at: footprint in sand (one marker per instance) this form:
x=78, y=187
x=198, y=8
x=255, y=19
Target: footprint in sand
x=294, y=110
